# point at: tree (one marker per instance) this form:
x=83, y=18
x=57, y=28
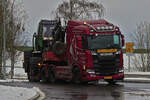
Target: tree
x=16, y=18
x=0, y=37
x=15, y=27
x=79, y=10
x=141, y=38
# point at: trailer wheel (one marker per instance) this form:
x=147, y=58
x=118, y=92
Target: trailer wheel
x=33, y=71
x=51, y=76
x=111, y=82
x=31, y=76
x=76, y=77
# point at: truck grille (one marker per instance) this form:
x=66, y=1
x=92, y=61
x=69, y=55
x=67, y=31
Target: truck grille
x=106, y=65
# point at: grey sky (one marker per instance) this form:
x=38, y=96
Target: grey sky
x=124, y=13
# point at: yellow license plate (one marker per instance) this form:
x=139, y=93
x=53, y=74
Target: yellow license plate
x=108, y=77
x=106, y=50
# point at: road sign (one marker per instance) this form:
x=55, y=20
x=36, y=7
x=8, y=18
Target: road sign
x=129, y=47
x=129, y=52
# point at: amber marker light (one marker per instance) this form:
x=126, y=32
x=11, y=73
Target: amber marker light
x=39, y=64
x=85, y=22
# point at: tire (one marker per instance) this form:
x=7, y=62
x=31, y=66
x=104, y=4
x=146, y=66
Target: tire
x=33, y=72
x=111, y=82
x=59, y=48
x=43, y=76
x=51, y=76
x=31, y=75
x=76, y=77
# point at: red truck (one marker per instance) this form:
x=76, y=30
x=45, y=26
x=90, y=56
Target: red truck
x=84, y=51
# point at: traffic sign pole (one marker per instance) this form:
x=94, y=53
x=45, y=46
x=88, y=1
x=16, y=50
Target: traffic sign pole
x=129, y=52
x=129, y=68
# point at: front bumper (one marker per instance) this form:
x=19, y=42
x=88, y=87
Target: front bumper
x=93, y=77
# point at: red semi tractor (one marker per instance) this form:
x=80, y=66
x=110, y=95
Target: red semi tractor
x=82, y=52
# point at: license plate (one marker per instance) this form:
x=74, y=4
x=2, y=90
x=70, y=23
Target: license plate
x=106, y=50
x=108, y=77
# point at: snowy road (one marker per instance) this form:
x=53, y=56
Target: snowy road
x=101, y=91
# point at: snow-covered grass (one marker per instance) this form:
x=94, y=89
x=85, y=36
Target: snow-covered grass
x=14, y=80
x=16, y=93
x=20, y=71
x=135, y=62
x=17, y=71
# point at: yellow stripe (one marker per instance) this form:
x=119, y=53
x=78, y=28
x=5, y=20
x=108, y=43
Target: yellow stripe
x=106, y=50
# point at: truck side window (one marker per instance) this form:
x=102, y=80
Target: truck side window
x=116, y=39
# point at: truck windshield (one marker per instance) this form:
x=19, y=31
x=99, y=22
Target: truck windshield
x=47, y=30
x=103, y=41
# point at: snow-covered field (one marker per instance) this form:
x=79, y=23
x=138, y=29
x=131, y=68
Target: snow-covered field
x=135, y=61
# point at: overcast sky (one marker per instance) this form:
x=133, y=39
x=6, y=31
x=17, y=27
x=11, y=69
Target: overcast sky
x=124, y=13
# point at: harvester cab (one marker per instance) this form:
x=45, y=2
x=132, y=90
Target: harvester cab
x=49, y=31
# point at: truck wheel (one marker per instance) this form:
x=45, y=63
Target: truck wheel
x=43, y=76
x=111, y=82
x=51, y=76
x=76, y=77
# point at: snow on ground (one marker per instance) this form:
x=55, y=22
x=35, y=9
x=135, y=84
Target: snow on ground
x=19, y=71
x=134, y=61
x=138, y=73
x=16, y=93
x=138, y=79
x=14, y=80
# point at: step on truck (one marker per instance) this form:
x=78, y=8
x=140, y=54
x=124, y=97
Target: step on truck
x=81, y=52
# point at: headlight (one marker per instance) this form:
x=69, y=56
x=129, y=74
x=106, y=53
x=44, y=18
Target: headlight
x=118, y=52
x=121, y=70
x=93, y=53
x=90, y=71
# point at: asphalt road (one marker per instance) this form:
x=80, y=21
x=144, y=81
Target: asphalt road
x=101, y=91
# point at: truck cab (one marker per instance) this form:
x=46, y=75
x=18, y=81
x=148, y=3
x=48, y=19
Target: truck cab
x=95, y=47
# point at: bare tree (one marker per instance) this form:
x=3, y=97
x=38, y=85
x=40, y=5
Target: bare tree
x=79, y=10
x=0, y=37
x=141, y=38
x=16, y=17
x=15, y=27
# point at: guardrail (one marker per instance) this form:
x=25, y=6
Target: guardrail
x=137, y=74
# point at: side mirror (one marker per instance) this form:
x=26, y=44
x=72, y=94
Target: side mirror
x=122, y=40
x=34, y=35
